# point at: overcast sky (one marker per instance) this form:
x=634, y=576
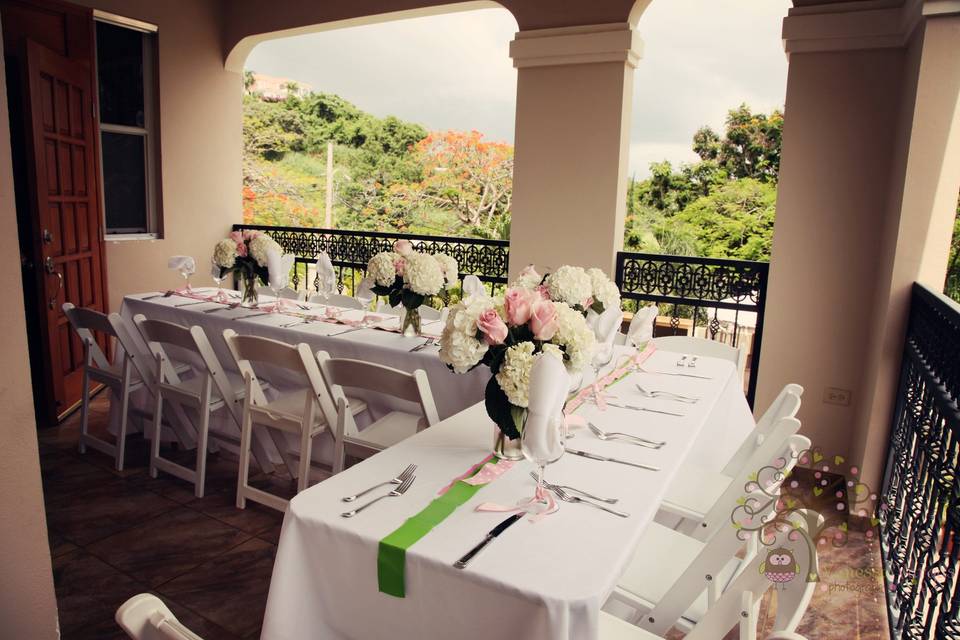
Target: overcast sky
x=701, y=57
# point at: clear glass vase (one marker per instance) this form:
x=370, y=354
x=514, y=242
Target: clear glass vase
x=410, y=322
x=249, y=293
x=504, y=448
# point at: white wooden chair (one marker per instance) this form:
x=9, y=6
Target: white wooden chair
x=703, y=347
x=286, y=292
x=209, y=391
x=674, y=579
x=338, y=300
x=391, y=428
x=123, y=376
x=304, y=413
x=427, y=313
x=695, y=490
x=146, y=617
x=740, y=603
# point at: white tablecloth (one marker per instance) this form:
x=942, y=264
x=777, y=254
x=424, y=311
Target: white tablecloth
x=538, y=580
x=451, y=393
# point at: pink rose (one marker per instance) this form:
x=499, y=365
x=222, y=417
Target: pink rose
x=403, y=247
x=400, y=266
x=250, y=235
x=542, y=290
x=242, y=249
x=543, y=320
x=492, y=326
x=236, y=236
x=518, y=305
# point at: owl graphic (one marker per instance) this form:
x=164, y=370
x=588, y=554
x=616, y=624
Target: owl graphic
x=780, y=567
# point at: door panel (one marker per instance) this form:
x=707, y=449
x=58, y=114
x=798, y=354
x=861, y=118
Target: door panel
x=61, y=145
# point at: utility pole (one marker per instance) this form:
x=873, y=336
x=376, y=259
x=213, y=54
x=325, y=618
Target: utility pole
x=328, y=220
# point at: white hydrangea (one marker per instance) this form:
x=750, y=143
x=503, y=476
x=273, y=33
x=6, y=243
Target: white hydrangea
x=569, y=284
x=514, y=374
x=423, y=274
x=382, y=268
x=449, y=266
x=527, y=280
x=225, y=253
x=574, y=335
x=459, y=346
x=604, y=290
x=261, y=246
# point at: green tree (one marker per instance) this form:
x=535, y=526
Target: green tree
x=750, y=147
x=952, y=284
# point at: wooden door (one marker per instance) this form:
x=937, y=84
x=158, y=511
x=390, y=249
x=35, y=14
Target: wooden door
x=60, y=144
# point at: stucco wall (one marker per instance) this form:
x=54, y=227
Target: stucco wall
x=843, y=114
x=201, y=145
x=27, y=605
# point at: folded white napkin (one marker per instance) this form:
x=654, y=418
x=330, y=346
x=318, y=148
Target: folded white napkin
x=326, y=276
x=472, y=287
x=364, y=290
x=184, y=264
x=641, y=327
x=606, y=324
x=548, y=390
x=279, y=267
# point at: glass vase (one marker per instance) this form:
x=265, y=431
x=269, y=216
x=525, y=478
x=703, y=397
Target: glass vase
x=249, y=294
x=504, y=448
x=410, y=322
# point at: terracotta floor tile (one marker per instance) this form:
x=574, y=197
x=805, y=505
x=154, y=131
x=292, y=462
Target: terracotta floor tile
x=167, y=546
x=230, y=590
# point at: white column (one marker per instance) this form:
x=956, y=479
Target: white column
x=574, y=97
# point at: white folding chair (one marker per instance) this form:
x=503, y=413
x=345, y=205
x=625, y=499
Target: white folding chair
x=674, y=579
x=429, y=314
x=304, y=413
x=739, y=604
x=286, y=292
x=122, y=376
x=703, y=347
x=695, y=490
x=209, y=391
x=337, y=300
x=391, y=428
x=146, y=617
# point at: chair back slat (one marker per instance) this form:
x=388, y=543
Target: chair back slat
x=705, y=348
x=785, y=405
x=85, y=322
x=165, y=332
x=265, y=350
x=337, y=300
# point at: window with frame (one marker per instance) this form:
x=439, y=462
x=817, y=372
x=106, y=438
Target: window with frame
x=129, y=144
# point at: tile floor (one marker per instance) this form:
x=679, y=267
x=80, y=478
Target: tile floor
x=114, y=534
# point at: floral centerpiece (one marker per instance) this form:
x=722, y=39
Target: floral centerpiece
x=246, y=255
x=407, y=277
x=507, y=334
x=583, y=289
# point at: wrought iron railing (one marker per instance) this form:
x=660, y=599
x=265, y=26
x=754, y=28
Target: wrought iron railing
x=706, y=297
x=351, y=250
x=920, y=502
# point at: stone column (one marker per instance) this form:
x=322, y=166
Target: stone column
x=868, y=186
x=574, y=98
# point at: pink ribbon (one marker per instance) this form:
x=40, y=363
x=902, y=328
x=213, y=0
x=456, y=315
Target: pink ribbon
x=533, y=506
x=606, y=381
x=466, y=474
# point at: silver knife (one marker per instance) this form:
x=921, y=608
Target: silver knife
x=594, y=456
x=634, y=407
x=496, y=531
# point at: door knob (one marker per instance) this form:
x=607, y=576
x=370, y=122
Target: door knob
x=52, y=269
x=47, y=236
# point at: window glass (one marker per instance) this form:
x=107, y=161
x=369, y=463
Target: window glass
x=124, y=182
x=120, y=71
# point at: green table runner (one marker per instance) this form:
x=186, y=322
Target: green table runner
x=392, y=552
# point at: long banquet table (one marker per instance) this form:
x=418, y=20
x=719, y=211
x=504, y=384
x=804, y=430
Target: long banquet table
x=451, y=393
x=539, y=580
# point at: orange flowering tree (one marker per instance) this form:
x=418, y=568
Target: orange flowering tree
x=466, y=174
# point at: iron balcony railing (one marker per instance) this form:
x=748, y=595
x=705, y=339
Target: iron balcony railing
x=710, y=298
x=920, y=502
x=350, y=251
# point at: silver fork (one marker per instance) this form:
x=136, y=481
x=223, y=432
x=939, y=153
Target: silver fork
x=550, y=485
x=617, y=435
x=406, y=473
x=566, y=497
x=399, y=491
x=667, y=394
x=232, y=305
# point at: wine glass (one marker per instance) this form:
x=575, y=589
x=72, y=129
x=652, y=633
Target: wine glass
x=216, y=272
x=542, y=444
x=186, y=270
x=365, y=296
x=602, y=355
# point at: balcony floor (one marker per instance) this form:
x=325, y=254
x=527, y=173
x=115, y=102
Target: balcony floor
x=113, y=535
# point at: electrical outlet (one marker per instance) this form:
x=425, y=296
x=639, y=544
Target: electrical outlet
x=833, y=395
